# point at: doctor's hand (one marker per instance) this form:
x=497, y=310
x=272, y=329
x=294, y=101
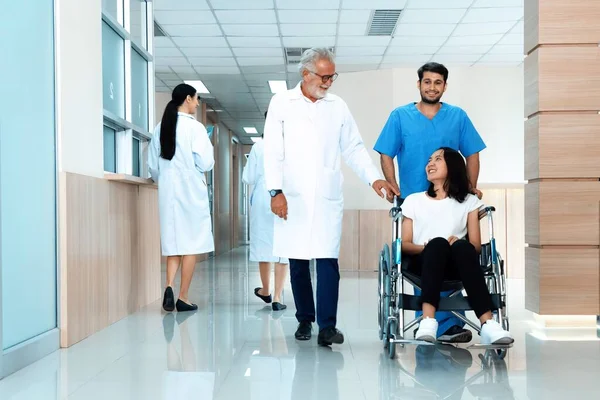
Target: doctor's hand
x=385, y=190
x=477, y=193
x=279, y=206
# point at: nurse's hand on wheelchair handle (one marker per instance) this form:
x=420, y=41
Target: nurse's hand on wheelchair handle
x=279, y=206
x=385, y=190
x=477, y=193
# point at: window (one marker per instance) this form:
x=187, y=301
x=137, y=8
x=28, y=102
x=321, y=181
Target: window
x=127, y=76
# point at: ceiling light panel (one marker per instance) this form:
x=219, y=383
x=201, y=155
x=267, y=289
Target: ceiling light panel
x=255, y=16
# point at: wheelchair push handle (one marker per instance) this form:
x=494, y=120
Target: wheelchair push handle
x=398, y=201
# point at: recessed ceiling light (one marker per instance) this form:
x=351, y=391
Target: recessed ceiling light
x=250, y=129
x=199, y=86
x=278, y=86
x=256, y=139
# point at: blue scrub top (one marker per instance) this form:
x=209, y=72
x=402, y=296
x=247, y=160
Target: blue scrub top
x=413, y=138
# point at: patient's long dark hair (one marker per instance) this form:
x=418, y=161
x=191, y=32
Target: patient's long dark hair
x=168, y=125
x=457, y=181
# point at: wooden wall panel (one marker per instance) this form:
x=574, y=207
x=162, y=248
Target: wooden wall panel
x=349, y=245
x=574, y=139
x=110, y=253
x=375, y=231
x=569, y=280
x=567, y=212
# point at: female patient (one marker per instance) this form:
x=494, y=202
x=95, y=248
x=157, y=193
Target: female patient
x=434, y=232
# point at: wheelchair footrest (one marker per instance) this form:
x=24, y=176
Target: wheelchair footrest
x=490, y=346
x=455, y=303
x=412, y=341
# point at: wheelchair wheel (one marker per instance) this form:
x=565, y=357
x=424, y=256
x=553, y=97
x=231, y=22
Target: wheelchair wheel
x=392, y=332
x=380, y=296
x=385, y=290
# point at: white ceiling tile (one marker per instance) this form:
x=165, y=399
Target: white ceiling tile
x=160, y=5
x=449, y=16
x=373, y=4
x=167, y=52
x=252, y=61
x=308, y=29
x=464, y=49
x=352, y=29
x=518, y=28
x=359, y=41
x=503, y=57
x=293, y=69
x=496, y=3
x=167, y=76
x=217, y=70
x=479, y=40
x=308, y=4
x=358, y=60
x=413, y=50
x=184, y=70
x=438, y=4
x=171, y=61
x=299, y=41
x=424, y=29
x=263, y=69
x=257, y=51
x=498, y=64
x=207, y=51
x=355, y=16
x=258, y=90
x=488, y=28
x=251, y=30
x=254, y=41
x=185, y=17
x=163, y=89
x=256, y=16
x=402, y=64
x=360, y=51
x=193, y=30
x=162, y=68
x=507, y=49
x=200, y=42
x=456, y=58
x=262, y=78
x=314, y=17
x=242, y=4
x=173, y=82
x=414, y=58
x=162, y=41
x=407, y=41
x=512, y=38
x=356, y=67
x=188, y=76
x=493, y=14
x=213, y=61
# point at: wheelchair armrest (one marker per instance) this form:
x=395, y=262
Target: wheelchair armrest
x=485, y=210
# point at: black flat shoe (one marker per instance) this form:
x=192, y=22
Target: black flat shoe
x=266, y=299
x=182, y=306
x=330, y=335
x=304, y=331
x=278, y=306
x=168, y=300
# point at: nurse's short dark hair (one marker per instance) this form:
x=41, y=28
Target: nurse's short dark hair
x=457, y=182
x=435, y=68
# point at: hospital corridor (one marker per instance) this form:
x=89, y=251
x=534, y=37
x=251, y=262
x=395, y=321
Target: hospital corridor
x=315, y=200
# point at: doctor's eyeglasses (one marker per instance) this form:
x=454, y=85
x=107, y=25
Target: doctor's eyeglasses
x=325, y=78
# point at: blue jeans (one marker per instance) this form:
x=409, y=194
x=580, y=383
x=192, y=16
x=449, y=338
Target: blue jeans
x=328, y=279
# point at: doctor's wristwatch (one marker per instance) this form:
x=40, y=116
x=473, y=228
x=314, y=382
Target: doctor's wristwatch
x=275, y=192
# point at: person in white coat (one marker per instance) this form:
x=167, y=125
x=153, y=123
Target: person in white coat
x=179, y=155
x=307, y=133
x=261, y=230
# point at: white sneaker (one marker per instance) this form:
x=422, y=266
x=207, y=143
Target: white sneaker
x=427, y=330
x=492, y=333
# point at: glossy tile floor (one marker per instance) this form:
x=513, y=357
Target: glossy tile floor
x=236, y=348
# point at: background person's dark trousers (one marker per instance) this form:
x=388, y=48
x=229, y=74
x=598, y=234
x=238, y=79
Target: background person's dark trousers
x=328, y=278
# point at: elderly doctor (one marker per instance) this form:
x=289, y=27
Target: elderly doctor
x=307, y=132
x=179, y=154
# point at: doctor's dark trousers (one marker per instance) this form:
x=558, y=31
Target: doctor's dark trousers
x=328, y=278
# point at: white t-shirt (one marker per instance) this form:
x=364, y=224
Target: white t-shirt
x=438, y=218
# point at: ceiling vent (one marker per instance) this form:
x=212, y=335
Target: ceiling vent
x=383, y=22
x=158, y=31
x=293, y=54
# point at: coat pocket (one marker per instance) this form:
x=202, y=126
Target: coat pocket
x=332, y=181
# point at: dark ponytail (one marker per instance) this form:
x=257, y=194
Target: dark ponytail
x=168, y=125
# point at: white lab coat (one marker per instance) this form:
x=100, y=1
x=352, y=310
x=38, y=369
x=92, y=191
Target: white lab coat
x=304, y=143
x=185, y=221
x=262, y=220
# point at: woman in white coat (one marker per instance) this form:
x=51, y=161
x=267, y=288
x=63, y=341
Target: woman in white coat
x=179, y=155
x=262, y=221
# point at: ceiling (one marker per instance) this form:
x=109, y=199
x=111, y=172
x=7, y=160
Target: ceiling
x=236, y=46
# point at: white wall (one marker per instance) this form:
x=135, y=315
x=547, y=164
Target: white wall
x=161, y=99
x=492, y=97
x=79, y=78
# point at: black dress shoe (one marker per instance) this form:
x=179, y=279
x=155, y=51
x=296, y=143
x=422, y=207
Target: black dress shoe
x=278, y=306
x=168, y=300
x=182, y=306
x=330, y=335
x=266, y=299
x=304, y=331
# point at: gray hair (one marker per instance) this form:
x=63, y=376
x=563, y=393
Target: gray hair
x=311, y=56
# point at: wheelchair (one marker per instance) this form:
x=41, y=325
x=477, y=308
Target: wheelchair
x=393, y=301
